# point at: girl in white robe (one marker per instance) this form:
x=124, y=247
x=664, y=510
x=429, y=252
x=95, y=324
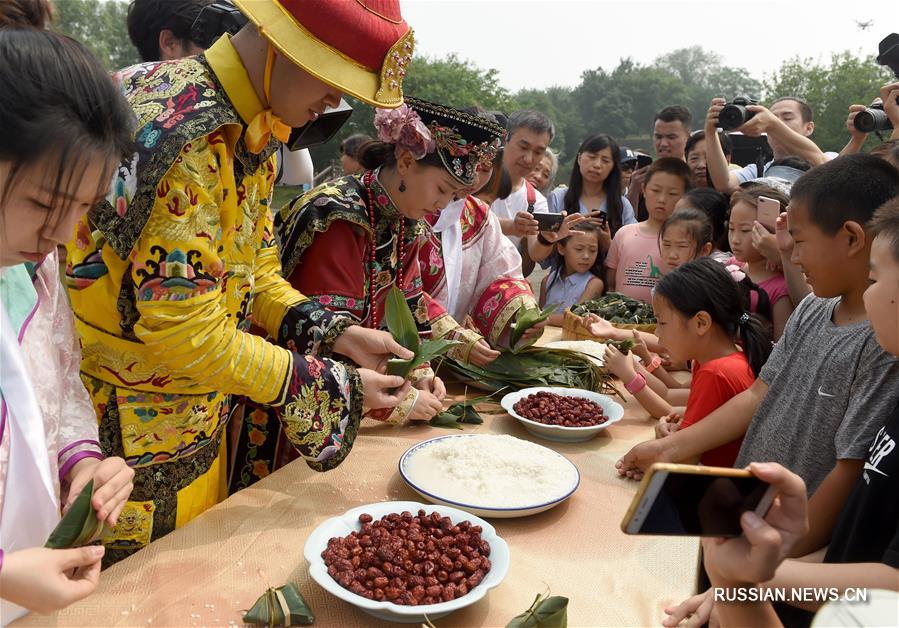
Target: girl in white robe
x=63, y=127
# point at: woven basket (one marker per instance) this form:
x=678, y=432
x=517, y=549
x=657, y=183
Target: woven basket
x=573, y=328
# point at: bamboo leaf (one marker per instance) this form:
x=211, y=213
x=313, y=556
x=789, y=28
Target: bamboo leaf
x=545, y=612
x=400, y=321
x=269, y=609
x=426, y=351
x=526, y=319
x=79, y=526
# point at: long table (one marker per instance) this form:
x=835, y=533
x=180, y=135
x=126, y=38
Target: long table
x=208, y=572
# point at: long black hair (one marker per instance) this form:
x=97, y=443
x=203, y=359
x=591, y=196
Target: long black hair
x=704, y=285
x=58, y=107
x=611, y=186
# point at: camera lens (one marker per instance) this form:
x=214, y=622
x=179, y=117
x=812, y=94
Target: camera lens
x=733, y=116
x=871, y=120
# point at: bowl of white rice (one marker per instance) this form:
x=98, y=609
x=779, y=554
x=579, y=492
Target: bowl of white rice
x=489, y=475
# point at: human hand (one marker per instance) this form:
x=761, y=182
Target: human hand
x=754, y=556
x=600, y=327
x=565, y=229
x=642, y=456
x=533, y=333
x=668, y=424
x=604, y=235
x=693, y=612
x=45, y=580
x=711, y=116
x=760, y=123
x=782, y=236
x=433, y=385
x=113, y=482
x=765, y=242
x=426, y=406
x=621, y=365
x=850, y=122
x=481, y=353
x=370, y=348
x=382, y=391
x=524, y=224
x=640, y=349
x=889, y=94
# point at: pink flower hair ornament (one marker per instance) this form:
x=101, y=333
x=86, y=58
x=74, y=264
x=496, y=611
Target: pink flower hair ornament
x=403, y=128
x=465, y=142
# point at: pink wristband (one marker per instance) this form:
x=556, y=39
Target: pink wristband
x=655, y=363
x=636, y=385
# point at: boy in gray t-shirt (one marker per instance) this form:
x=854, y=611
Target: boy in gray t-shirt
x=829, y=389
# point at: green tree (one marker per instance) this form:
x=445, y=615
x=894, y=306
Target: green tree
x=101, y=26
x=830, y=88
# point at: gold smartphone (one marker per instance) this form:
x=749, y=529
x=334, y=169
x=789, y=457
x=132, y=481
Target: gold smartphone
x=692, y=500
x=768, y=211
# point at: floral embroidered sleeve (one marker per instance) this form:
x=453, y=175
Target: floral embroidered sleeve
x=299, y=323
x=501, y=288
x=181, y=284
x=78, y=437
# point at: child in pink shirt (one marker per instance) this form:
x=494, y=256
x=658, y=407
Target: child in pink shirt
x=634, y=262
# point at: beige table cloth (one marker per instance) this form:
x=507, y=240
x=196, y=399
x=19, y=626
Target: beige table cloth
x=208, y=572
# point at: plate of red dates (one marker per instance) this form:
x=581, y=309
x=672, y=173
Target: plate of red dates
x=568, y=415
x=407, y=562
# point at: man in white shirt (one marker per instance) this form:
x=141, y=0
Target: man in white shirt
x=527, y=139
x=788, y=123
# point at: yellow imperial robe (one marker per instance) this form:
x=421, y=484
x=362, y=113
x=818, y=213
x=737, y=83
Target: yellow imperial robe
x=165, y=278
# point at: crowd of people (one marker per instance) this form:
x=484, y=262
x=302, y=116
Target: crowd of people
x=200, y=338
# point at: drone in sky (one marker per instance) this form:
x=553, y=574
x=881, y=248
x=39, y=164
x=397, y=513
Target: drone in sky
x=863, y=26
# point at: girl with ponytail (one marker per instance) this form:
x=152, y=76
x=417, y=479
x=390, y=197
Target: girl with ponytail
x=702, y=317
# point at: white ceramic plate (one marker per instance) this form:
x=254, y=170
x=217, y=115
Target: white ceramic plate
x=388, y=611
x=559, y=433
x=484, y=510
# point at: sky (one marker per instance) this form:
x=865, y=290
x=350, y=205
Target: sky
x=540, y=43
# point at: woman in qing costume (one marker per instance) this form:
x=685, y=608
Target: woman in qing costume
x=470, y=268
x=348, y=242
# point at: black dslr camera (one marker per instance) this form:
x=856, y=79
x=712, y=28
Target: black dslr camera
x=734, y=115
x=222, y=17
x=874, y=119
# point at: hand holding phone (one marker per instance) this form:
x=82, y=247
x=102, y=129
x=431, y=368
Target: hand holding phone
x=768, y=211
x=547, y=221
x=764, y=543
x=692, y=500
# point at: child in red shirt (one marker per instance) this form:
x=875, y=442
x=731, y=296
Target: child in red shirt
x=702, y=316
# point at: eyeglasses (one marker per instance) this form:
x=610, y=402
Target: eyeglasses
x=628, y=166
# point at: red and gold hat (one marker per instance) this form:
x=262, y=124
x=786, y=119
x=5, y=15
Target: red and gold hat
x=361, y=47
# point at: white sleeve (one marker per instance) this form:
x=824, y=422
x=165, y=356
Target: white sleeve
x=296, y=167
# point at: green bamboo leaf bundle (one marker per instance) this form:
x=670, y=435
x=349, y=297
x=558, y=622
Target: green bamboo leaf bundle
x=545, y=612
x=618, y=309
x=402, y=327
x=535, y=366
x=79, y=526
x=526, y=319
x=283, y=606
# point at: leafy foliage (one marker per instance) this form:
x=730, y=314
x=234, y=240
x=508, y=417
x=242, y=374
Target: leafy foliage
x=99, y=25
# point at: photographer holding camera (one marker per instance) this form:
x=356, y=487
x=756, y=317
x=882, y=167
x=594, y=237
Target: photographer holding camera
x=888, y=108
x=788, y=124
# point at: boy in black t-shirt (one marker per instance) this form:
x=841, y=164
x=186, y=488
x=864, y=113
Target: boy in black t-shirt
x=868, y=528
x=864, y=547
